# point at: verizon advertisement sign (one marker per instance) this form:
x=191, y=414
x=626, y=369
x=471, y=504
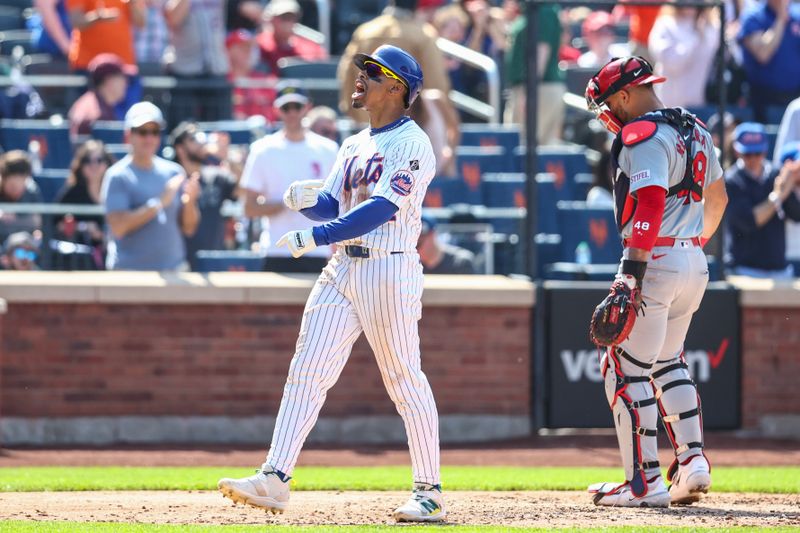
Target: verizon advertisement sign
x=576, y=397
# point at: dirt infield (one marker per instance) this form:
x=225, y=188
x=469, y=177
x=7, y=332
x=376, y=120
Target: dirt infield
x=586, y=450
x=536, y=509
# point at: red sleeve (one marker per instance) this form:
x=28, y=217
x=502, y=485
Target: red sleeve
x=648, y=215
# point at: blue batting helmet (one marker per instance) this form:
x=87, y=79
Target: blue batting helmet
x=398, y=62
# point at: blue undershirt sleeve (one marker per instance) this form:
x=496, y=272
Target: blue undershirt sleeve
x=360, y=220
x=326, y=208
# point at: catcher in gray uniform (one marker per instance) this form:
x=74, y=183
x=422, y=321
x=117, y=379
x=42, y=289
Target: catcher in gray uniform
x=669, y=199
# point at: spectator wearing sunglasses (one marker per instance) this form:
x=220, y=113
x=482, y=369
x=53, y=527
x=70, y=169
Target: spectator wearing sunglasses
x=83, y=187
x=275, y=162
x=150, y=204
x=20, y=252
x=217, y=184
x=398, y=27
x=17, y=186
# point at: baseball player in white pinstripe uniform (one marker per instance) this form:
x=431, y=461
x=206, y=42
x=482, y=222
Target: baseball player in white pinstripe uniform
x=371, y=205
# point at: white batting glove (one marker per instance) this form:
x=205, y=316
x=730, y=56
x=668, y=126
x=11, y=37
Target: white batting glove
x=302, y=194
x=299, y=242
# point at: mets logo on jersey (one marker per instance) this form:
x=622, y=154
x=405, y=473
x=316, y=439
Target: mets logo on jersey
x=402, y=182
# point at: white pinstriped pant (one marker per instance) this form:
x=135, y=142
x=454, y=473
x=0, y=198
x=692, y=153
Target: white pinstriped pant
x=380, y=296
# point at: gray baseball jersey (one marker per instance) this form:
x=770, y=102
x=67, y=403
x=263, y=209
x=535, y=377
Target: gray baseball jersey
x=672, y=288
x=661, y=160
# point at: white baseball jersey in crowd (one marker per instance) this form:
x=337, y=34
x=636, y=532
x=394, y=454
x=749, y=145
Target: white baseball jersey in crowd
x=379, y=295
x=272, y=165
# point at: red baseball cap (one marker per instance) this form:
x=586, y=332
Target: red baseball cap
x=596, y=21
x=104, y=65
x=425, y=4
x=238, y=36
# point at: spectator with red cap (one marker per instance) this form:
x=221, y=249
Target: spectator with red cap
x=598, y=34
x=278, y=39
x=248, y=101
x=427, y=9
x=109, y=83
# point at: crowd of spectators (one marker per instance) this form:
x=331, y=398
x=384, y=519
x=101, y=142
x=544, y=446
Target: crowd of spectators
x=227, y=60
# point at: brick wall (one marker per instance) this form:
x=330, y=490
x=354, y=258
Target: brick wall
x=770, y=363
x=104, y=359
x=99, y=358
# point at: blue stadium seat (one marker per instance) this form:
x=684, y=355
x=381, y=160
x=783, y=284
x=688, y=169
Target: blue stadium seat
x=548, y=250
x=508, y=225
x=772, y=136
x=742, y=114
x=229, y=261
x=109, y=131
x=54, y=142
x=582, y=183
x=563, y=161
x=11, y=18
x=504, y=189
x=473, y=161
x=775, y=114
x=508, y=190
x=596, y=227
x=578, y=77
x=443, y=192
x=577, y=272
x=50, y=182
x=240, y=131
x=703, y=112
x=550, y=191
x=483, y=135
x=10, y=39
x=118, y=151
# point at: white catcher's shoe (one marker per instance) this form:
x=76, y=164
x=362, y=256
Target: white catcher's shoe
x=691, y=481
x=264, y=490
x=616, y=495
x=425, y=505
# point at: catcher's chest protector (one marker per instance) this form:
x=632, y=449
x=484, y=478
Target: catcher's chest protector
x=640, y=130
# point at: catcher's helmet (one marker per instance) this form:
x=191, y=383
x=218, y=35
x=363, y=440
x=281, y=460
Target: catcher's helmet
x=619, y=73
x=398, y=62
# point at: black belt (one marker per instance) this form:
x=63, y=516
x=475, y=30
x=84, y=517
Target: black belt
x=361, y=251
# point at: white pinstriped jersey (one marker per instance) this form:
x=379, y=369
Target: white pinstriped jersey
x=397, y=164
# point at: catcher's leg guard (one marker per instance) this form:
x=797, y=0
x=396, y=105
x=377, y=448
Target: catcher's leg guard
x=679, y=406
x=630, y=396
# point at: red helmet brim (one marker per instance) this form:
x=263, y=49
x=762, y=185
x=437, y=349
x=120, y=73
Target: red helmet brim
x=650, y=79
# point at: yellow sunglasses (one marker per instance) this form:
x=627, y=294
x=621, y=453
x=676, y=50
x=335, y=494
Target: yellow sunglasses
x=374, y=70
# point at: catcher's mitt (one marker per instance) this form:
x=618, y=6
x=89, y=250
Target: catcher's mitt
x=612, y=320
